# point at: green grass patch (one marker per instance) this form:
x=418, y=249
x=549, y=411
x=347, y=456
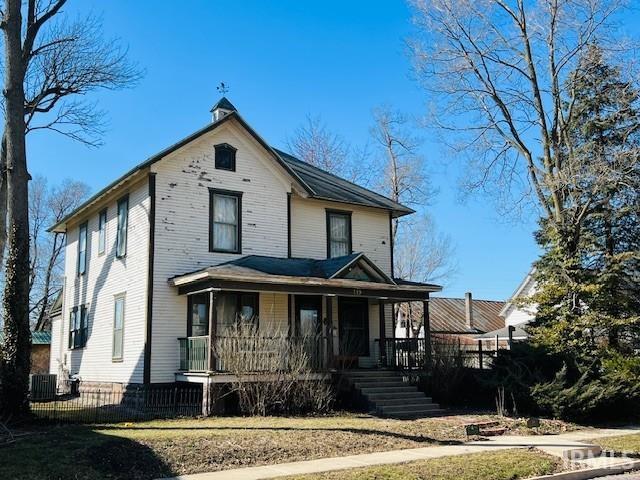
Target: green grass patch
x=145, y=450
x=629, y=444
x=500, y=465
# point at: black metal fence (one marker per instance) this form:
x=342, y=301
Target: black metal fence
x=112, y=404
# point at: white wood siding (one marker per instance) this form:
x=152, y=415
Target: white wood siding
x=274, y=313
x=107, y=276
x=517, y=315
x=370, y=230
x=56, y=352
x=182, y=226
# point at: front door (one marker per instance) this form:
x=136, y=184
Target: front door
x=354, y=327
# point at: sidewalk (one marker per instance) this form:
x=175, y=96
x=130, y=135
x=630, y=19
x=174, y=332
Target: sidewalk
x=552, y=444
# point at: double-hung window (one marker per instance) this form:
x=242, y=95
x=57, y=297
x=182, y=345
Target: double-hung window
x=118, y=328
x=123, y=226
x=78, y=327
x=226, y=219
x=338, y=233
x=102, y=232
x=82, y=249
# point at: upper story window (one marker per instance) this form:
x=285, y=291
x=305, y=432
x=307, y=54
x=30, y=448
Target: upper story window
x=78, y=327
x=225, y=157
x=123, y=226
x=225, y=214
x=102, y=231
x=82, y=249
x=338, y=233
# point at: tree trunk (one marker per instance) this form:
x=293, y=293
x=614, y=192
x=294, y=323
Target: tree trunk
x=16, y=354
x=3, y=200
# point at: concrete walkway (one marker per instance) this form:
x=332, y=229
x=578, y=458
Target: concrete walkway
x=552, y=444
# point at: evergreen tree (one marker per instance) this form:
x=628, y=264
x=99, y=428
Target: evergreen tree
x=589, y=279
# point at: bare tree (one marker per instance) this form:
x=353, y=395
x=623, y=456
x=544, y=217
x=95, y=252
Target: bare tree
x=47, y=206
x=315, y=144
x=422, y=253
x=497, y=71
x=403, y=176
x=46, y=63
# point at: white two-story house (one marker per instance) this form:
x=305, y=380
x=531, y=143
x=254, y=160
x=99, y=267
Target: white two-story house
x=221, y=226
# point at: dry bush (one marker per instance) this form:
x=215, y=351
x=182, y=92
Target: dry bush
x=272, y=372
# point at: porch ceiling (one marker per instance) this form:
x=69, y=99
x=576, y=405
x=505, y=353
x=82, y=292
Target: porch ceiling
x=239, y=275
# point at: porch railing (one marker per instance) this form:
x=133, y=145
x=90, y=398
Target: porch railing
x=194, y=354
x=411, y=354
x=402, y=353
x=254, y=354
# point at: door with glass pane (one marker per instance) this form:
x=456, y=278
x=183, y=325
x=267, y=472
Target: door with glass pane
x=308, y=316
x=198, y=320
x=353, y=327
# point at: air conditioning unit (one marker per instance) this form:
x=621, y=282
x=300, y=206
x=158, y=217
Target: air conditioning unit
x=43, y=386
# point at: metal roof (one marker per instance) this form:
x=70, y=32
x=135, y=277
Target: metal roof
x=328, y=186
x=448, y=315
x=37, y=338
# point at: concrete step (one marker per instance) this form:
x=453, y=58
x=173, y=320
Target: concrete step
x=397, y=395
x=389, y=402
x=380, y=383
x=401, y=389
x=373, y=371
x=410, y=407
x=409, y=415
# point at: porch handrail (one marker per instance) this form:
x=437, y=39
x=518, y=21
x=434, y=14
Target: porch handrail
x=194, y=353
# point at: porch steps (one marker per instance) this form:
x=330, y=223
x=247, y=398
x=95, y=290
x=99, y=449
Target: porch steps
x=388, y=395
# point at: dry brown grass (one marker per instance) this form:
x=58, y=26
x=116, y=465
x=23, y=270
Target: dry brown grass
x=169, y=447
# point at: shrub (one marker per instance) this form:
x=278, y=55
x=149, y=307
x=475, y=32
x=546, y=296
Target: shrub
x=272, y=372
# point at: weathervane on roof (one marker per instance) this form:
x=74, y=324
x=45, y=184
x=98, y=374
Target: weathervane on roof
x=223, y=88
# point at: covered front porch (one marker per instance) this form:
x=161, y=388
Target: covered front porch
x=269, y=312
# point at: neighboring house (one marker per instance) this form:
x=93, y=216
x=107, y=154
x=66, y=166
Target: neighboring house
x=459, y=319
x=161, y=263
x=40, y=347
x=516, y=315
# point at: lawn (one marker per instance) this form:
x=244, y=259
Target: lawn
x=501, y=465
x=627, y=444
x=169, y=447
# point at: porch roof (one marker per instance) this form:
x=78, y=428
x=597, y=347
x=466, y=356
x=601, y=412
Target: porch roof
x=301, y=276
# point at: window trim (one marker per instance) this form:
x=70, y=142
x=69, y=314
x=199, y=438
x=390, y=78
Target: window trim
x=122, y=200
x=83, y=330
x=102, y=229
x=344, y=213
x=225, y=146
x=229, y=193
x=85, y=226
x=123, y=297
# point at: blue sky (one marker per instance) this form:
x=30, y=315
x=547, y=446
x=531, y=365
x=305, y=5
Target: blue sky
x=282, y=60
